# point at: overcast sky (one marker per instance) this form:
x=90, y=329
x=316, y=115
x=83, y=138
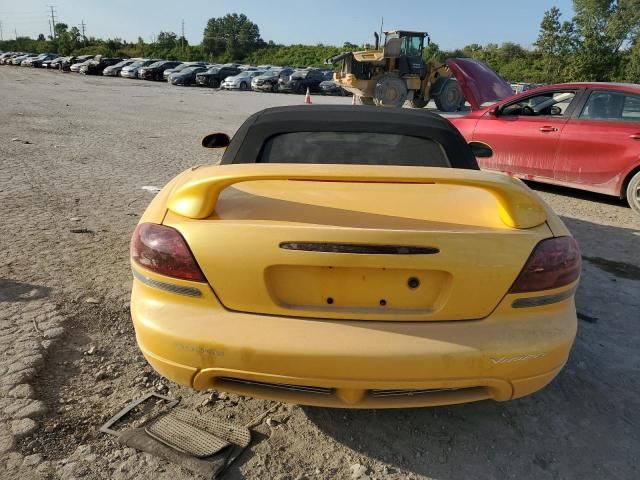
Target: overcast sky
x=451, y=23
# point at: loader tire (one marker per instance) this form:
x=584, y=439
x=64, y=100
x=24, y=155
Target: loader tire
x=450, y=98
x=418, y=102
x=390, y=91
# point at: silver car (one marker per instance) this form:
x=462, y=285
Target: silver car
x=268, y=81
x=18, y=60
x=114, y=70
x=131, y=71
x=179, y=68
x=242, y=81
x=77, y=66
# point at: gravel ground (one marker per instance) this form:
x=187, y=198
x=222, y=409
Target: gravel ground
x=74, y=154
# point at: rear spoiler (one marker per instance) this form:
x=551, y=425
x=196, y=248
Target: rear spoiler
x=519, y=207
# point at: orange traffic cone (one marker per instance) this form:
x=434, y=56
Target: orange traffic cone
x=307, y=97
x=353, y=100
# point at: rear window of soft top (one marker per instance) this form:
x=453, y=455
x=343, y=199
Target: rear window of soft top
x=354, y=148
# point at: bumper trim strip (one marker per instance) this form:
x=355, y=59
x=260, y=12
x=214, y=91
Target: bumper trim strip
x=168, y=287
x=409, y=393
x=282, y=386
x=544, y=300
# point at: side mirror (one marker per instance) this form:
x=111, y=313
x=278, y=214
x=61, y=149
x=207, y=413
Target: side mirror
x=495, y=111
x=481, y=150
x=216, y=140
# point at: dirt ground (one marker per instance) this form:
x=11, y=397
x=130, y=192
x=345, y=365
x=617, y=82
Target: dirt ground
x=75, y=153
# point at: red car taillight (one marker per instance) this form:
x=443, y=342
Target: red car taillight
x=163, y=250
x=555, y=262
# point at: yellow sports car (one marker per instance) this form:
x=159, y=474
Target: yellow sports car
x=353, y=257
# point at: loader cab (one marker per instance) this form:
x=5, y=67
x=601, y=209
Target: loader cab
x=406, y=48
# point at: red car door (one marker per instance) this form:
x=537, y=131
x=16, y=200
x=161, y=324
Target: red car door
x=600, y=145
x=525, y=133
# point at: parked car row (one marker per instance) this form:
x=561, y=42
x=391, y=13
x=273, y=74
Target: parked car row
x=520, y=87
x=26, y=59
x=230, y=76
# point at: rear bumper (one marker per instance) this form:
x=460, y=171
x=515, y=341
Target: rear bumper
x=351, y=364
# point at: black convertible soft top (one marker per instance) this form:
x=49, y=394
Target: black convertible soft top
x=256, y=132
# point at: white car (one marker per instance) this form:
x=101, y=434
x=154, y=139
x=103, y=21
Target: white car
x=77, y=66
x=242, y=81
x=131, y=71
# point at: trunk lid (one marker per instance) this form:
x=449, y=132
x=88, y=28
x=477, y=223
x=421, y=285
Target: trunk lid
x=479, y=83
x=353, y=249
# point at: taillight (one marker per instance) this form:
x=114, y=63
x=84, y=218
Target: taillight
x=555, y=262
x=163, y=250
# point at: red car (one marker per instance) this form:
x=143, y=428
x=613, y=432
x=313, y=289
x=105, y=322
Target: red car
x=579, y=135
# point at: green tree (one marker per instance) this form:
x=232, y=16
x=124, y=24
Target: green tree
x=511, y=51
x=139, y=48
x=63, y=41
x=166, y=40
x=60, y=28
x=231, y=37
x=603, y=27
x=75, y=35
x=555, y=45
x=631, y=71
x=472, y=49
x=432, y=52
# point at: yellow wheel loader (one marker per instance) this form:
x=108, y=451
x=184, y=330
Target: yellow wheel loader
x=398, y=73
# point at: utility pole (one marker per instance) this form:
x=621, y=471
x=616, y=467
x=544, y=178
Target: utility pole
x=83, y=26
x=1, y=36
x=53, y=20
x=15, y=30
x=182, y=39
x=50, y=29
